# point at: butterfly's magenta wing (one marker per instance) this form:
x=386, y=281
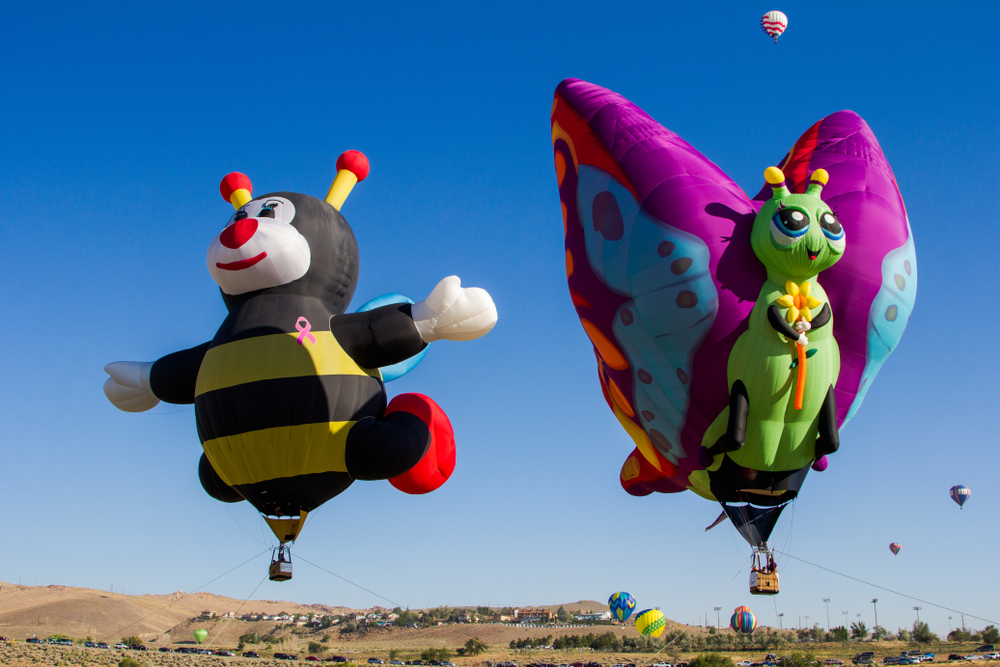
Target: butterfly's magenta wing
x=660, y=270
x=873, y=287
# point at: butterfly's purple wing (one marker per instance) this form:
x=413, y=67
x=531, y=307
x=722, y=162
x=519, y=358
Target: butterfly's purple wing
x=873, y=287
x=660, y=270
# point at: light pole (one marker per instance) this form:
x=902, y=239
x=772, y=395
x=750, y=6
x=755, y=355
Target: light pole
x=875, y=604
x=949, y=625
x=827, y=601
x=718, y=622
x=845, y=612
x=780, y=616
x=917, y=609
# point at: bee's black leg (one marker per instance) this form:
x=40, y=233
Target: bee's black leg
x=386, y=448
x=213, y=484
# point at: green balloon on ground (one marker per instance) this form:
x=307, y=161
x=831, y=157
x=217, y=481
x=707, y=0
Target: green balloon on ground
x=200, y=635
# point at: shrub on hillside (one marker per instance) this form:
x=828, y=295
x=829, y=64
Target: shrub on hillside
x=711, y=660
x=128, y=661
x=131, y=640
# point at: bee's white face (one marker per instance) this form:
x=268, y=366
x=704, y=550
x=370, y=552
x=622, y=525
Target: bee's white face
x=259, y=248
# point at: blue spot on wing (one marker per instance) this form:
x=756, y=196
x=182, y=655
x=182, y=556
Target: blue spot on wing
x=673, y=302
x=889, y=313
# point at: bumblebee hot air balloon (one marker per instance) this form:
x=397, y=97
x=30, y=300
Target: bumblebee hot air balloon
x=773, y=24
x=894, y=548
x=960, y=494
x=622, y=605
x=743, y=622
x=650, y=622
x=734, y=336
x=289, y=398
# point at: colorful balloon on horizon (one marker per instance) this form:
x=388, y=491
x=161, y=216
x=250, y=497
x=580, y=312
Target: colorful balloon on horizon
x=622, y=605
x=960, y=494
x=895, y=547
x=667, y=262
x=200, y=635
x=773, y=24
x=741, y=608
x=743, y=621
x=651, y=622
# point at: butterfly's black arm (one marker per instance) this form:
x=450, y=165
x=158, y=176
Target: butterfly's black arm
x=823, y=318
x=780, y=325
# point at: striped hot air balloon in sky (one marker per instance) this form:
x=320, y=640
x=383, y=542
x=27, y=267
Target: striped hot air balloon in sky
x=960, y=494
x=622, y=605
x=774, y=23
x=895, y=547
x=743, y=621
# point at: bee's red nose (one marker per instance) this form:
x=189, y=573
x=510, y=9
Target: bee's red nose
x=238, y=233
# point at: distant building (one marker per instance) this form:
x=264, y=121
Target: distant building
x=499, y=618
x=599, y=616
x=207, y=614
x=533, y=615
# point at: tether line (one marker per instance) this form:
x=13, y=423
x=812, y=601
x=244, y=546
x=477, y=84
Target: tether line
x=320, y=567
x=889, y=590
x=109, y=635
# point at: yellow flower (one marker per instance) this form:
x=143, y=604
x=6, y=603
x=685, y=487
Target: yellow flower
x=798, y=302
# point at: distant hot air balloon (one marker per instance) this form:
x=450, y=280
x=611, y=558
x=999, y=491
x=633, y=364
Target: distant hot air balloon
x=774, y=23
x=895, y=547
x=651, y=622
x=622, y=605
x=200, y=635
x=960, y=494
x=743, y=621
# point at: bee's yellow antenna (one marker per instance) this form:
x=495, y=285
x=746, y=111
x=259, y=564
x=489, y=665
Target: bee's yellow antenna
x=352, y=167
x=236, y=189
x=776, y=179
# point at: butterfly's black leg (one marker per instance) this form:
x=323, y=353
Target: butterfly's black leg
x=829, y=438
x=736, y=429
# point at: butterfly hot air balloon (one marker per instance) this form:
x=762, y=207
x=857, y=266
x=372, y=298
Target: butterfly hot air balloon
x=734, y=337
x=743, y=621
x=774, y=23
x=200, y=635
x=895, y=547
x=960, y=494
x=622, y=605
x=650, y=622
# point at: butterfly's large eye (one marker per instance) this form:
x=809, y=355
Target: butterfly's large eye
x=833, y=230
x=789, y=225
x=831, y=226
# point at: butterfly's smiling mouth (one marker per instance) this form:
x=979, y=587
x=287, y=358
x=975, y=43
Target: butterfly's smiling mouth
x=813, y=254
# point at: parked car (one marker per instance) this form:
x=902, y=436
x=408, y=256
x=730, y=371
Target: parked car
x=33, y=640
x=121, y=646
x=340, y=658
x=229, y=654
x=102, y=645
x=395, y=662
x=251, y=654
x=994, y=655
x=973, y=657
x=956, y=656
x=139, y=647
x=833, y=662
x=985, y=648
x=312, y=658
x=377, y=661
x=165, y=649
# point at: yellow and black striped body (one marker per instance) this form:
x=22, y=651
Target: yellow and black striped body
x=274, y=413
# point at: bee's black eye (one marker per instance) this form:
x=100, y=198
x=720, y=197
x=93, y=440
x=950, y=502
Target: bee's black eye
x=266, y=212
x=240, y=215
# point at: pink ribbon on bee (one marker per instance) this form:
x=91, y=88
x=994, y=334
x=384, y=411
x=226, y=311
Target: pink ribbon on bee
x=304, y=330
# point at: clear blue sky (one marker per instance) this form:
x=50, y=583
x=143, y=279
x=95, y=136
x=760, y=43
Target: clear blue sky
x=120, y=119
